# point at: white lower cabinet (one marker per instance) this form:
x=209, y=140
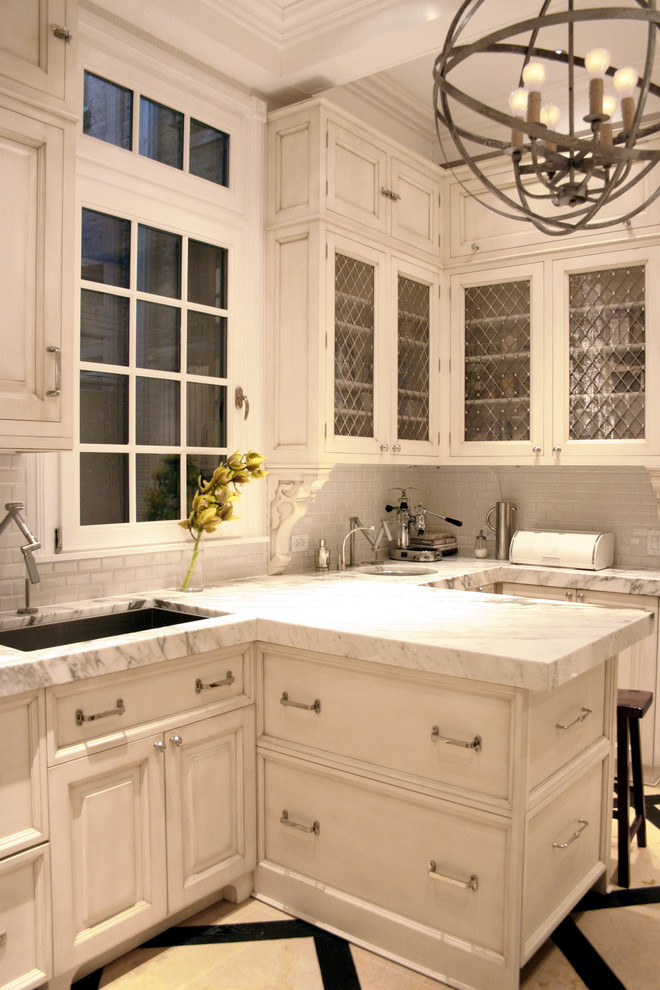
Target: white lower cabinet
x=155, y=818
x=25, y=938
x=422, y=859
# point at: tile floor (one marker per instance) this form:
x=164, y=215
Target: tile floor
x=612, y=943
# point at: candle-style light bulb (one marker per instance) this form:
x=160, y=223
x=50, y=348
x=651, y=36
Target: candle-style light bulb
x=550, y=115
x=596, y=62
x=625, y=80
x=609, y=108
x=533, y=78
x=518, y=107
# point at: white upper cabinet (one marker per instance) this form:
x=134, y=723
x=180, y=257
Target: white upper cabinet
x=324, y=163
x=38, y=50
x=557, y=361
x=472, y=231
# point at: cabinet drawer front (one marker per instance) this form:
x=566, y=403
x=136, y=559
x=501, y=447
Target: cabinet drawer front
x=23, y=799
x=109, y=705
x=390, y=722
x=377, y=843
x=24, y=919
x=564, y=722
x=560, y=850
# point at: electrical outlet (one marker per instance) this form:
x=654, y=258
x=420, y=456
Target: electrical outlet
x=300, y=542
x=653, y=543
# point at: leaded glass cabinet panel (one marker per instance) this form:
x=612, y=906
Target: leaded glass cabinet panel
x=355, y=286
x=413, y=359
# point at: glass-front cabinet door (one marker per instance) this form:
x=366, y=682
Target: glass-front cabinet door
x=498, y=359
x=381, y=348
x=606, y=356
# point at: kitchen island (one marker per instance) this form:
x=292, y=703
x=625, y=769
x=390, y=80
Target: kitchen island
x=433, y=767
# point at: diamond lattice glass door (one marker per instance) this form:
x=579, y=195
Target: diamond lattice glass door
x=497, y=361
x=607, y=329
x=413, y=360
x=354, y=347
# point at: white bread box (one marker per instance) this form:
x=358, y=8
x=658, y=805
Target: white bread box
x=589, y=551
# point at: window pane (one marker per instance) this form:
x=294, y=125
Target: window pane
x=157, y=412
x=204, y=464
x=158, y=336
x=207, y=344
x=159, y=262
x=106, y=248
x=108, y=111
x=209, y=153
x=206, y=415
x=207, y=274
x=103, y=489
x=103, y=407
x=157, y=486
x=161, y=133
x=103, y=328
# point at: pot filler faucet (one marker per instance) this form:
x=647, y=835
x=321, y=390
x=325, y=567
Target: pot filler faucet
x=412, y=522
x=13, y=512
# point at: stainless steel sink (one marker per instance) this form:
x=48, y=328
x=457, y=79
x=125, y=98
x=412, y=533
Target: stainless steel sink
x=396, y=570
x=92, y=627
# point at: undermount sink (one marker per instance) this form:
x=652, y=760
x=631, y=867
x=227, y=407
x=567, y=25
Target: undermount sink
x=66, y=631
x=397, y=570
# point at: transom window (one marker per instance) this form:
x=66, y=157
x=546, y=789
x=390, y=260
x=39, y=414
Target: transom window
x=153, y=368
x=166, y=135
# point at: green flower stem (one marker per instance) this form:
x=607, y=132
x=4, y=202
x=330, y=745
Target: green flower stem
x=193, y=561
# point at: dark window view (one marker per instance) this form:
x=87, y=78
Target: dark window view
x=107, y=111
x=209, y=153
x=161, y=133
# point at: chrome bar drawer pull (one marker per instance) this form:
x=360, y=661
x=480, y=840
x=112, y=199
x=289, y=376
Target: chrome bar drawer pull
x=586, y=712
x=200, y=686
x=316, y=707
x=436, y=737
x=284, y=820
x=471, y=884
x=576, y=835
x=118, y=710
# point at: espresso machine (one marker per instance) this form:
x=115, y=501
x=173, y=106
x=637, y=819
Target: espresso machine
x=412, y=543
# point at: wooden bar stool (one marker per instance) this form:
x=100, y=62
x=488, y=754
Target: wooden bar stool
x=631, y=707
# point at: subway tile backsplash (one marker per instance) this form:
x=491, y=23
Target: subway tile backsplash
x=617, y=499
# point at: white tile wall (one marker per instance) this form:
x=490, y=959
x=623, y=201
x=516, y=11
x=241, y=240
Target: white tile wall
x=616, y=499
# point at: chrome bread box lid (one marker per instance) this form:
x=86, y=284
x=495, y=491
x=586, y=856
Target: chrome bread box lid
x=588, y=551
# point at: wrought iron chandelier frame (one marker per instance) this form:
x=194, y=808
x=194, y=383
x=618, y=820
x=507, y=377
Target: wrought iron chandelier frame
x=563, y=175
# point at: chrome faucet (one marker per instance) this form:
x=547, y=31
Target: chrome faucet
x=356, y=527
x=13, y=512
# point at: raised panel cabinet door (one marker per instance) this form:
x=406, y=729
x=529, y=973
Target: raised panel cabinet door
x=31, y=196
x=25, y=943
x=109, y=860
x=32, y=54
x=415, y=207
x=23, y=798
x=211, y=805
x=356, y=175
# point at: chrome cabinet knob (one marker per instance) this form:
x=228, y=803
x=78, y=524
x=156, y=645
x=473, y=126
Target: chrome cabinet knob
x=556, y=450
x=176, y=740
x=384, y=447
x=159, y=746
x=536, y=450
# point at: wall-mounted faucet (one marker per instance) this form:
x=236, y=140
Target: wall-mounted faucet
x=14, y=512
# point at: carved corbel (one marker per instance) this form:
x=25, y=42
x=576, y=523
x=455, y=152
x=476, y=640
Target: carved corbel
x=288, y=495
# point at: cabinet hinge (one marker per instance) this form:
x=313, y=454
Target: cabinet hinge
x=325, y=431
x=326, y=252
x=439, y=241
x=439, y=291
x=326, y=139
x=439, y=364
x=58, y=540
x=326, y=340
x=439, y=199
x=326, y=187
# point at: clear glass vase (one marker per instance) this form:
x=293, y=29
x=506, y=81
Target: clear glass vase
x=192, y=568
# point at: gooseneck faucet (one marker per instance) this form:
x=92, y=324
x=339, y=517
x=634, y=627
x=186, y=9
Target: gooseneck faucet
x=357, y=527
x=14, y=512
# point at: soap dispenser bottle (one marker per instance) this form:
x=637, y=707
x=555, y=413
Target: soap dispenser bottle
x=322, y=557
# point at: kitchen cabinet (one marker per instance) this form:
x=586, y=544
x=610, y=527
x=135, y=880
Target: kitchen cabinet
x=472, y=232
x=448, y=823
x=322, y=162
x=25, y=936
x=38, y=57
x=158, y=814
x=638, y=664
x=552, y=362
x=37, y=163
x=354, y=350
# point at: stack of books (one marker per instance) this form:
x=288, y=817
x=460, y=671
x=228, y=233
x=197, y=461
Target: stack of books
x=446, y=543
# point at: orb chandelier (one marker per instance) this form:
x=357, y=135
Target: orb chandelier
x=561, y=176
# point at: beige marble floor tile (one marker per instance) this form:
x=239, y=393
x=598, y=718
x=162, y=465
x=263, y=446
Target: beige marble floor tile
x=628, y=939
x=277, y=965
x=224, y=912
x=376, y=973
x=548, y=969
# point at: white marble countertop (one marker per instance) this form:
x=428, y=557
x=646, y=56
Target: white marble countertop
x=397, y=621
